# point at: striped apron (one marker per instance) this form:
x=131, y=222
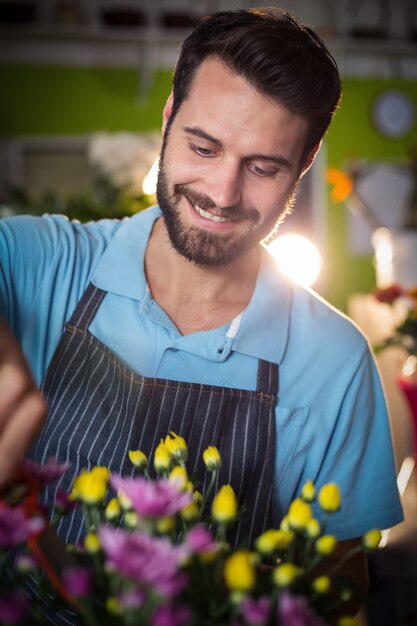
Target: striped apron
x=99, y=410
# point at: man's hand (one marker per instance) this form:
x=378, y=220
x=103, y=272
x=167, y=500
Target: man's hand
x=22, y=407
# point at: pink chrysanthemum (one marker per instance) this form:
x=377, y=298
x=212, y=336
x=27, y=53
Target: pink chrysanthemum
x=159, y=498
x=15, y=528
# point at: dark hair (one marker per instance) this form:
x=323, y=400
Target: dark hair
x=277, y=54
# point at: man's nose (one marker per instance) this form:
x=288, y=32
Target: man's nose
x=225, y=186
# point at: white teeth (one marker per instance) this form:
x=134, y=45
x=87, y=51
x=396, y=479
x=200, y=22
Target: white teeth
x=209, y=216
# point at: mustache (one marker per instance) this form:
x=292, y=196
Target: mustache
x=206, y=203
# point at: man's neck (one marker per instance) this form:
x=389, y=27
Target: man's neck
x=196, y=297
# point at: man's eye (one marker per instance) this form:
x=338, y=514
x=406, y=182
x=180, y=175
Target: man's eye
x=204, y=152
x=262, y=171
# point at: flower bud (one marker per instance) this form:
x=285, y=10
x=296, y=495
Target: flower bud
x=348, y=620
x=224, y=506
x=299, y=514
x=272, y=540
x=313, y=528
x=308, y=493
x=177, y=447
x=239, y=571
x=190, y=512
x=212, y=459
x=139, y=459
x=131, y=519
x=321, y=584
x=92, y=543
x=329, y=498
x=113, y=510
x=326, y=544
x=162, y=458
x=371, y=539
x=91, y=487
x=284, y=575
x=164, y=525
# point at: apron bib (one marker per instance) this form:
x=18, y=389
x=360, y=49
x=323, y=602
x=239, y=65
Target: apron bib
x=99, y=410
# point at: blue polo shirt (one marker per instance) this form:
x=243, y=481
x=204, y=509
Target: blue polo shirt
x=331, y=420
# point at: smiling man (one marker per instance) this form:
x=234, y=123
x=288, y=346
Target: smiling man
x=178, y=320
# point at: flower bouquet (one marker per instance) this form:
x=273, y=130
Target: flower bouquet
x=157, y=552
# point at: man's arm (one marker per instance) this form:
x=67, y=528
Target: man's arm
x=22, y=407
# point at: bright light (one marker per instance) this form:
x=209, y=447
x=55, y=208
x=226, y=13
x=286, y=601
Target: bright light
x=297, y=257
x=149, y=182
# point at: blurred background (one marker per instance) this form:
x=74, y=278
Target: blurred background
x=83, y=84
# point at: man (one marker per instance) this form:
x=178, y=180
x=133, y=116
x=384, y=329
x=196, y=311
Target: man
x=178, y=320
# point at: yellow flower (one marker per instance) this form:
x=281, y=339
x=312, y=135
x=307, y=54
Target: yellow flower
x=179, y=475
x=313, y=528
x=284, y=575
x=224, y=506
x=371, y=539
x=92, y=543
x=347, y=620
x=124, y=501
x=308, y=492
x=162, y=458
x=91, y=487
x=329, y=498
x=272, y=540
x=346, y=595
x=139, y=459
x=176, y=446
x=112, y=606
x=165, y=525
x=325, y=545
x=190, y=512
x=285, y=525
x=321, y=584
x=113, y=510
x=299, y=514
x=212, y=459
x=131, y=519
x=239, y=571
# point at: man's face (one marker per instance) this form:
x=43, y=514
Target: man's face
x=229, y=166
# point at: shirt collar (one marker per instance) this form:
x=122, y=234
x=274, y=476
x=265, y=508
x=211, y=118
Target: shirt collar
x=264, y=325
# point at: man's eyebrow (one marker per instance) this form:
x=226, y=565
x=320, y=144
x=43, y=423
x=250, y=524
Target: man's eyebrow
x=272, y=158
x=198, y=132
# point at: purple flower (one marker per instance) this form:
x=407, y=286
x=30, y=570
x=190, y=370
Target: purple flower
x=13, y=608
x=47, y=473
x=150, y=560
x=199, y=539
x=295, y=611
x=78, y=581
x=171, y=616
x=158, y=498
x=256, y=612
x=131, y=599
x=63, y=503
x=15, y=528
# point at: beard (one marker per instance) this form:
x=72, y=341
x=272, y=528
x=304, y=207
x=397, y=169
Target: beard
x=202, y=247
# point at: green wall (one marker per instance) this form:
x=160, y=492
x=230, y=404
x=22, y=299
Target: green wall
x=61, y=100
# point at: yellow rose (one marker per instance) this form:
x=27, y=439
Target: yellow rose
x=299, y=514
x=272, y=540
x=113, y=510
x=239, y=571
x=139, y=459
x=321, y=584
x=329, y=498
x=284, y=575
x=92, y=543
x=371, y=539
x=176, y=446
x=224, y=506
x=308, y=492
x=325, y=545
x=162, y=458
x=212, y=459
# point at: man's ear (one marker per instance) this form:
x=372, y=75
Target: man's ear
x=166, y=113
x=310, y=158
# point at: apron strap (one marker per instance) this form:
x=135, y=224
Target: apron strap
x=268, y=377
x=87, y=307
